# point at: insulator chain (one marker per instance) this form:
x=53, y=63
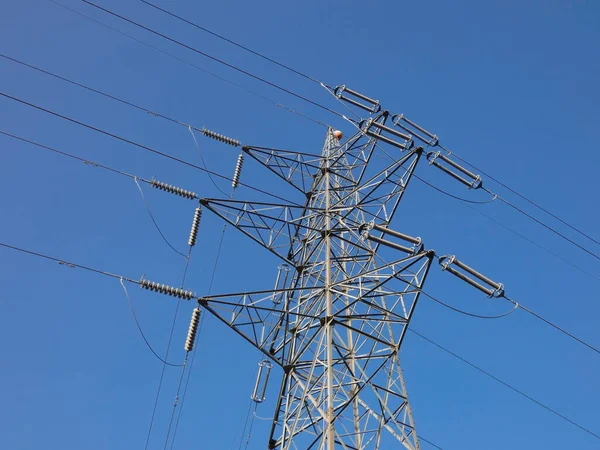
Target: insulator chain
x=173, y=189
x=417, y=245
x=238, y=170
x=195, y=225
x=370, y=105
x=193, y=330
x=415, y=130
x=220, y=137
x=262, y=378
x=376, y=130
x=494, y=290
x=167, y=290
x=473, y=183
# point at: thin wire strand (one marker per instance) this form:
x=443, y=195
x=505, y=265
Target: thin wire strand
x=213, y=58
x=250, y=428
x=68, y=263
x=495, y=378
x=154, y=220
x=162, y=372
x=204, y=163
x=144, y=147
x=466, y=313
x=176, y=399
x=522, y=196
x=553, y=325
x=139, y=327
x=482, y=202
x=558, y=233
x=522, y=236
x=260, y=55
x=170, y=55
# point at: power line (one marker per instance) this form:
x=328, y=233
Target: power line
x=522, y=196
x=558, y=233
x=69, y=263
x=504, y=383
x=553, y=325
x=213, y=58
x=143, y=147
x=522, y=236
x=139, y=327
x=260, y=55
x=194, y=66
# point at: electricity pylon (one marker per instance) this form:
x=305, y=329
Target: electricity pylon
x=339, y=311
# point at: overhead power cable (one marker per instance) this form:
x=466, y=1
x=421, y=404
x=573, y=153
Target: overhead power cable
x=531, y=202
x=504, y=383
x=217, y=35
x=194, y=66
x=553, y=325
x=143, y=147
x=536, y=220
x=213, y=58
x=522, y=236
x=69, y=263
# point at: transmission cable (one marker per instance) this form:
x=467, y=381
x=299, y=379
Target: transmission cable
x=139, y=327
x=233, y=42
x=553, y=325
x=521, y=195
x=522, y=236
x=558, y=233
x=154, y=221
x=170, y=55
x=146, y=148
x=213, y=58
x=504, y=383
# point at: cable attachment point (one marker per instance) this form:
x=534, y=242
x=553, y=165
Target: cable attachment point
x=279, y=294
x=167, y=290
x=495, y=289
x=375, y=129
x=173, y=189
x=191, y=336
x=430, y=139
x=220, y=137
x=262, y=378
x=367, y=229
x=195, y=225
x=475, y=182
x=372, y=106
x=238, y=170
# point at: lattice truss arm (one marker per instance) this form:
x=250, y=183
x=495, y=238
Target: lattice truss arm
x=338, y=313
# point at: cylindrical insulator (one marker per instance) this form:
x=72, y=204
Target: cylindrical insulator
x=173, y=189
x=406, y=237
x=191, y=336
x=391, y=244
x=167, y=290
x=262, y=378
x=280, y=283
x=195, y=225
x=220, y=137
x=386, y=139
x=238, y=170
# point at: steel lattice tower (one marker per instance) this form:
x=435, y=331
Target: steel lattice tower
x=338, y=314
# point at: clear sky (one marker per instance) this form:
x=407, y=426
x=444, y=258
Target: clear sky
x=510, y=85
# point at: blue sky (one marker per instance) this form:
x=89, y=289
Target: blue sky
x=510, y=86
